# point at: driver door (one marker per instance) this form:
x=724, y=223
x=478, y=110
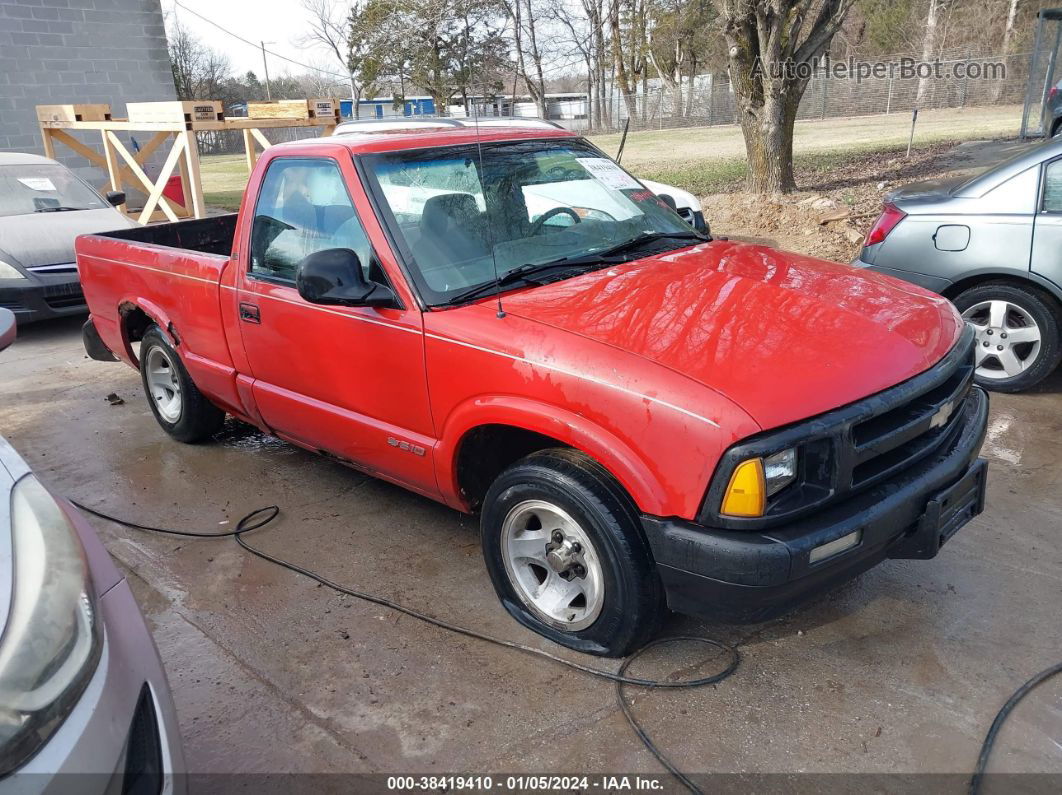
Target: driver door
x=348, y=381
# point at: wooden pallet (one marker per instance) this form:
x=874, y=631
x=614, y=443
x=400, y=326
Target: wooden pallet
x=73, y=113
x=206, y=110
x=181, y=120
x=294, y=109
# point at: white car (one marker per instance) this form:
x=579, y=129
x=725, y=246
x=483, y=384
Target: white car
x=685, y=203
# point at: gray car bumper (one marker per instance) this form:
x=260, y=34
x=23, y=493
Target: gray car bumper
x=932, y=283
x=106, y=735
x=42, y=297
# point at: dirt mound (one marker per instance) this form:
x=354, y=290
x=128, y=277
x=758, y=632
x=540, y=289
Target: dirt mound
x=839, y=203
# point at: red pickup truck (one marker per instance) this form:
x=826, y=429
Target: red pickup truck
x=506, y=321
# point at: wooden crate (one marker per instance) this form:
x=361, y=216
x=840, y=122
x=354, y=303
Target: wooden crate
x=325, y=109
x=73, y=113
x=190, y=111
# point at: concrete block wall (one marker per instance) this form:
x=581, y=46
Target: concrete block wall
x=71, y=51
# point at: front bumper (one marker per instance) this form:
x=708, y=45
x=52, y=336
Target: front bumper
x=743, y=576
x=43, y=296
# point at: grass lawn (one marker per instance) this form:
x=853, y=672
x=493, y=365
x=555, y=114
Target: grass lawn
x=224, y=178
x=712, y=159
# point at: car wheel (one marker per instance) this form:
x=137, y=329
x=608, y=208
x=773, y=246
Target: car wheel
x=178, y=405
x=565, y=551
x=1056, y=131
x=1018, y=343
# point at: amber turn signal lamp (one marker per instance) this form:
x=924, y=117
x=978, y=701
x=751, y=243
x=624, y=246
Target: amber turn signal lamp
x=747, y=493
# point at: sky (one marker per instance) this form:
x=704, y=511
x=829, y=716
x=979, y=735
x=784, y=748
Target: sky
x=278, y=21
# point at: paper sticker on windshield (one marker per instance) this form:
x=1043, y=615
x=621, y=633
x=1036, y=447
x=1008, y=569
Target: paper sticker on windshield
x=605, y=171
x=37, y=183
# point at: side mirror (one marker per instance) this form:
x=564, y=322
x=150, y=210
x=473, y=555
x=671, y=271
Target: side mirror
x=7, y=328
x=668, y=199
x=115, y=198
x=334, y=276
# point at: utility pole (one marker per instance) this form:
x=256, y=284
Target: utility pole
x=265, y=68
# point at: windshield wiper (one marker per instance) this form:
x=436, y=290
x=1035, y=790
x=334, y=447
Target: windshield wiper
x=58, y=209
x=529, y=271
x=635, y=242
x=519, y=274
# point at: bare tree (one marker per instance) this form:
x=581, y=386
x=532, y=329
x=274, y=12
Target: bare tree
x=199, y=72
x=772, y=46
x=332, y=26
x=526, y=17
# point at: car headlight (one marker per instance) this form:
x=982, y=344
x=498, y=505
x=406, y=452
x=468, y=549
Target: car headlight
x=9, y=271
x=757, y=479
x=53, y=637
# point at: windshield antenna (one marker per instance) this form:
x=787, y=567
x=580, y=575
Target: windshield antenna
x=486, y=209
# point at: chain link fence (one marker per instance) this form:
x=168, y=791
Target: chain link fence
x=856, y=88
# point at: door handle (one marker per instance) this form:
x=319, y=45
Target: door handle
x=249, y=313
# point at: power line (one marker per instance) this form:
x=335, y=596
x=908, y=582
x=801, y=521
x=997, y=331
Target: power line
x=317, y=69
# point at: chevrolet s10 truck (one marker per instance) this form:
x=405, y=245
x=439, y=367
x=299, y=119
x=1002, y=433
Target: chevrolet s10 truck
x=644, y=417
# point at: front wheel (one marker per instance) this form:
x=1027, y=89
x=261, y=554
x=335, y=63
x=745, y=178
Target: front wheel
x=565, y=551
x=1018, y=334
x=178, y=405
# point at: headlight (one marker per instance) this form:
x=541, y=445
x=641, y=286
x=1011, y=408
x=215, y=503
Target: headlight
x=756, y=479
x=779, y=470
x=9, y=272
x=52, y=641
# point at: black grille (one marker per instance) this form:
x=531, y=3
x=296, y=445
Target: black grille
x=898, y=437
x=69, y=297
x=859, y=445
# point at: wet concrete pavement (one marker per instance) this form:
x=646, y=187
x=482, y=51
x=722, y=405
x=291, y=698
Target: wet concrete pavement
x=899, y=671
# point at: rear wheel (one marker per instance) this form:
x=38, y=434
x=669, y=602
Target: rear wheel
x=178, y=405
x=1018, y=342
x=565, y=551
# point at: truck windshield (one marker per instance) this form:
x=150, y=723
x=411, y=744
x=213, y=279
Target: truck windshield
x=524, y=204
x=44, y=187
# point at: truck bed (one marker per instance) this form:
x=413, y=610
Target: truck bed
x=212, y=235
x=169, y=275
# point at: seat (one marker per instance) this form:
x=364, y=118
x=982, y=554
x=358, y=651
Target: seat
x=451, y=231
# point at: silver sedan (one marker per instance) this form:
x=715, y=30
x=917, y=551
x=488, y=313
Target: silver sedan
x=84, y=703
x=993, y=245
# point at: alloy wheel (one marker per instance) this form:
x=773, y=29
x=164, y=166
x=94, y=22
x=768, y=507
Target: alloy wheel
x=1008, y=338
x=552, y=565
x=163, y=383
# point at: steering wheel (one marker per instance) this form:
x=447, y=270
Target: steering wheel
x=536, y=227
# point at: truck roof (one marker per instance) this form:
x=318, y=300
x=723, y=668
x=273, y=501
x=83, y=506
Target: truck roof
x=420, y=136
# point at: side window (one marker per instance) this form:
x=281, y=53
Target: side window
x=303, y=207
x=1053, y=187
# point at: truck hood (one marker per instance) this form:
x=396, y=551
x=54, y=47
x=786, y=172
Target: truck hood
x=783, y=336
x=48, y=238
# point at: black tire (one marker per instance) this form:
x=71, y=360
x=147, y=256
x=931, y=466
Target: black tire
x=1057, y=129
x=633, y=604
x=1042, y=308
x=197, y=417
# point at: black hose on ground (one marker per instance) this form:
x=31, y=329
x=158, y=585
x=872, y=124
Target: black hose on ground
x=263, y=516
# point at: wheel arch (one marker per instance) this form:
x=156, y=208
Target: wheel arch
x=1022, y=281
x=135, y=317
x=486, y=434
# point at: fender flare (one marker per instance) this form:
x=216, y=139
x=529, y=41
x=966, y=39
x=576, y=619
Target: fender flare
x=622, y=462
x=153, y=311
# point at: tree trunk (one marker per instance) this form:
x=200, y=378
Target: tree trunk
x=929, y=44
x=768, y=133
x=625, y=87
x=1008, y=35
